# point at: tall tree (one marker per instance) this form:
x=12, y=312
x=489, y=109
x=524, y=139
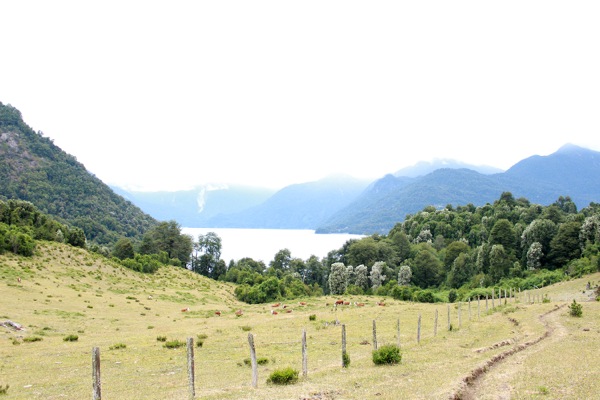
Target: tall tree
x=337, y=278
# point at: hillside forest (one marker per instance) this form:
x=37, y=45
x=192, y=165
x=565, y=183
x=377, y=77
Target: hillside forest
x=435, y=255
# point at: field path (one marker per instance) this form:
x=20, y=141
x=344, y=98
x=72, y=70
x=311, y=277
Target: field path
x=492, y=380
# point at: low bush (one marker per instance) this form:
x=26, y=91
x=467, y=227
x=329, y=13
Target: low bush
x=284, y=376
x=575, y=309
x=161, y=338
x=4, y=389
x=118, y=346
x=387, y=354
x=345, y=360
x=31, y=339
x=174, y=344
x=312, y=317
x=71, y=338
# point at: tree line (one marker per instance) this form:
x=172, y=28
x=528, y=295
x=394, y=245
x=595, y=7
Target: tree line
x=436, y=254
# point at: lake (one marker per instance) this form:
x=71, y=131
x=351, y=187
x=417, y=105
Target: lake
x=263, y=244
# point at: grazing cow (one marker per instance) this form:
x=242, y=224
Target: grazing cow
x=185, y=309
x=339, y=302
x=285, y=306
x=346, y=303
x=218, y=313
x=239, y=313
x=273, y=312
x=276, y=305
x=380, y=303
x=359, y=304
x=302, y=303
x=288, y=311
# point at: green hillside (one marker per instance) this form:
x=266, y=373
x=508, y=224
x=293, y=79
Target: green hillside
x=32, y=168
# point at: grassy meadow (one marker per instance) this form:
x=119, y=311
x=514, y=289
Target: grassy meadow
x=66, y=293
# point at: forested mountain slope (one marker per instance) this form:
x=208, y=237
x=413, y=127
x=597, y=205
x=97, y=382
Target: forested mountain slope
x=32, y=168
x=571, y=171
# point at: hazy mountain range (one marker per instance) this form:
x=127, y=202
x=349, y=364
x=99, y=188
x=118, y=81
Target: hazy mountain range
x=345, y=204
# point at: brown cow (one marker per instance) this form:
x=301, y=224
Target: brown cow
x=273, y=312
x=302, y=303
x=218, y=313
x=239, y=313
x=185, y=309
x=339, y=302
x=359, y=304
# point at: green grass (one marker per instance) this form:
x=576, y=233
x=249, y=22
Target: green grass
x=145, y=369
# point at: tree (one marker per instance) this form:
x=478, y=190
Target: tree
x=534, y=256
x=499, y=263
x=337, y=278
x=541, y=231
x=167, y=237
x=281, y=261
x=404, y=275
x=426, y=267
x=503, y=233
x=123, y=249
x=565, y=244
x=376, y=275
x=207, y=255
x=461, y=271
x=361, y=280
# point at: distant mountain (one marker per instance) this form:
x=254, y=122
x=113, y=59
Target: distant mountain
x=32, y=168
x=571, y=171
x=426, y=167
x=196, y=207
x=300, y=206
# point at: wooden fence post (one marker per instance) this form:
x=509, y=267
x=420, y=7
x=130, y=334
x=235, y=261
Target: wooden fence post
x=459, y=314
x=419, y=330
x=478, y=308
x=253, y=360
x=344, y=346
x=448, y=316
x=374, y=336
x=190, y=368
x=304, y=355
x=97, y=382
x=435, y=322
x=493, y=298
x=469, y=308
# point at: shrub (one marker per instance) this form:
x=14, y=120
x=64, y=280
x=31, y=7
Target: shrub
x=259, y=361
x=118, y=346
x=161, y=338
x=71, y=338
x=345, y=360
x=284, y=376
x=246, y=328
x=452, y=295
x=4, y=389
x=200, y=339
x=312, y=317
x=388, y=354
x=174, y=344
x=575, y=309
x=31, y=339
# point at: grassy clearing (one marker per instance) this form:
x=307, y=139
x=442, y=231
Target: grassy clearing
x=64, y=292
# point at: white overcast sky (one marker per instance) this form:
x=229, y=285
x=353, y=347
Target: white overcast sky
x=170, y=94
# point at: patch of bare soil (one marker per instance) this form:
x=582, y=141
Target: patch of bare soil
x=471, y=388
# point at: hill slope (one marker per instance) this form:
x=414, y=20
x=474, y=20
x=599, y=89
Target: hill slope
x=32, y=168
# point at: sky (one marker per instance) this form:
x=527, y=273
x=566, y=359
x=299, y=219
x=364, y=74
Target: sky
x=167, y=95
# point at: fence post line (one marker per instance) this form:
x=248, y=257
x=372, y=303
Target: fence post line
x=448, y=316
x=398, y=331
x=304, y=355
x=435, y=322
x=478, y=308
x=504, y=295
x=253, y=360
x=344, y=346
x=97, y=382
x=190, y=368
x=374, y=336
x=469, y=308
x=493, y=298
x=419, y=330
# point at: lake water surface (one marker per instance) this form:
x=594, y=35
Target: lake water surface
x=263, y=244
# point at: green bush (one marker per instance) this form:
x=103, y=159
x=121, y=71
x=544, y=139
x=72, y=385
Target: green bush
x=118, y=346
x=452, y=295
x=312, y=317
x=71, y=338
x=259, y=361
x=575, y=309
x=31, y=339
x=345, y=360
x=284, y=376
x=161, y=338
x=174, y=344
x=388, y=354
